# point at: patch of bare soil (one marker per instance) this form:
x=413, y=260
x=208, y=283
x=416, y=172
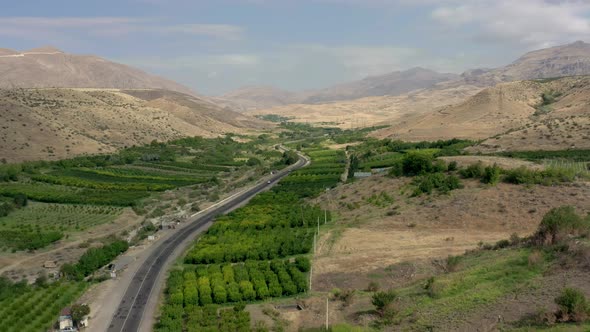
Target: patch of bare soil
x=366, y=239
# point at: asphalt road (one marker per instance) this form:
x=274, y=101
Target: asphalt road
x=129, y=314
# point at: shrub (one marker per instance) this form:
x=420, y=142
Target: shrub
x=453, y=166
x=502, y=244
x=452, y=263
x=381, y=300
x=491, y=175
x=397, y=169
x=432, y=288
x=573, y=306
x=559, y=223
x=473, y=171
x=428, y=183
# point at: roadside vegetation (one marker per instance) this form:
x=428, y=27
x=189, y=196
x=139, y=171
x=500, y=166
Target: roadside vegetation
x=254, y=253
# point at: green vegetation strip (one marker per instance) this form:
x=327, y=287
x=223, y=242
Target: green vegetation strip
x=243, y=256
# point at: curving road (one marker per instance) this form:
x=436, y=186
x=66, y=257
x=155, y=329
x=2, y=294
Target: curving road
x=140, y=295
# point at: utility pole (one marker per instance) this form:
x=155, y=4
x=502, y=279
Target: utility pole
x=310, y=273
x=318, y=226
x=325, y=216
x=327, y=314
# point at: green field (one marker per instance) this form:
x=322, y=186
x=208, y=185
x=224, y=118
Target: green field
x=243, y=256
x=35, y=308
x=116, y=180
x=35, y=221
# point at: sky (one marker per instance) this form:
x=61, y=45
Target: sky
x=215, y=46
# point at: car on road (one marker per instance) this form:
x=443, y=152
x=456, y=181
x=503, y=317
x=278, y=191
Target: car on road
x=69, y=329
x=268, y=181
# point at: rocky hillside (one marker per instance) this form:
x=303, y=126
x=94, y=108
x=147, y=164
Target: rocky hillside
x=56, y=123
x=565, y=60
x=48, y=67
x=545, y=114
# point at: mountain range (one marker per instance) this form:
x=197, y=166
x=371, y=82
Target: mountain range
x=566, y=60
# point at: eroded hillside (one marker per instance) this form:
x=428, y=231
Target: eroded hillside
x=57, y=123
x=543, y=114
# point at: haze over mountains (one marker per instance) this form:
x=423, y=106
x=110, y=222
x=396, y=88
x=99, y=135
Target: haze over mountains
x=391, y=84
x=565, y=60
x=49, y=67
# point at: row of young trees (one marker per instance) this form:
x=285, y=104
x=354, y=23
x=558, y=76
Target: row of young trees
x=250, y=243
x=253, y=280
x=93, y=259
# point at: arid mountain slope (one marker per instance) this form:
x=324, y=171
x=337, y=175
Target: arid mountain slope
x=565, y=60
x=49, y=67
x=513, y=114
x=57, y=123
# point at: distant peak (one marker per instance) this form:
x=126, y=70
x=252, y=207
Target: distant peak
x=44, y=49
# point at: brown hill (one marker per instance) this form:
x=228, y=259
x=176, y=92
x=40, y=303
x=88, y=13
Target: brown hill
x=565, y=60
x=513, y=114
x=56, y=123
x=48, y=67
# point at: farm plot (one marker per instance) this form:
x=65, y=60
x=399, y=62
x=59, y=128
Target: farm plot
x=37, y=220
x=35, y=308
x=254, y=253
x=60, y=217
x=43, y=192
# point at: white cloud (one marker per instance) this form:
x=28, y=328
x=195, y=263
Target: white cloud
x=533, y=23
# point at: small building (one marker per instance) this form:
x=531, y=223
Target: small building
x=65, y=319
x=49, y=265
x=362, y=174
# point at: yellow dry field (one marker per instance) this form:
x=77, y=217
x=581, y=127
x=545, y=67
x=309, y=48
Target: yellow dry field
x=366, y=239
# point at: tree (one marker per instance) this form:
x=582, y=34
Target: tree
x=416, y=163
x=79, y=311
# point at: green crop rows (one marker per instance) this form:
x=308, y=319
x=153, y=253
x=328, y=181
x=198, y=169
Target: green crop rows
x=115, y=180
x=251, y=254
x=36, y=308
x=40, y=221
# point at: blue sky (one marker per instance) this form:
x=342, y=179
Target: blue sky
x=219, y=45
